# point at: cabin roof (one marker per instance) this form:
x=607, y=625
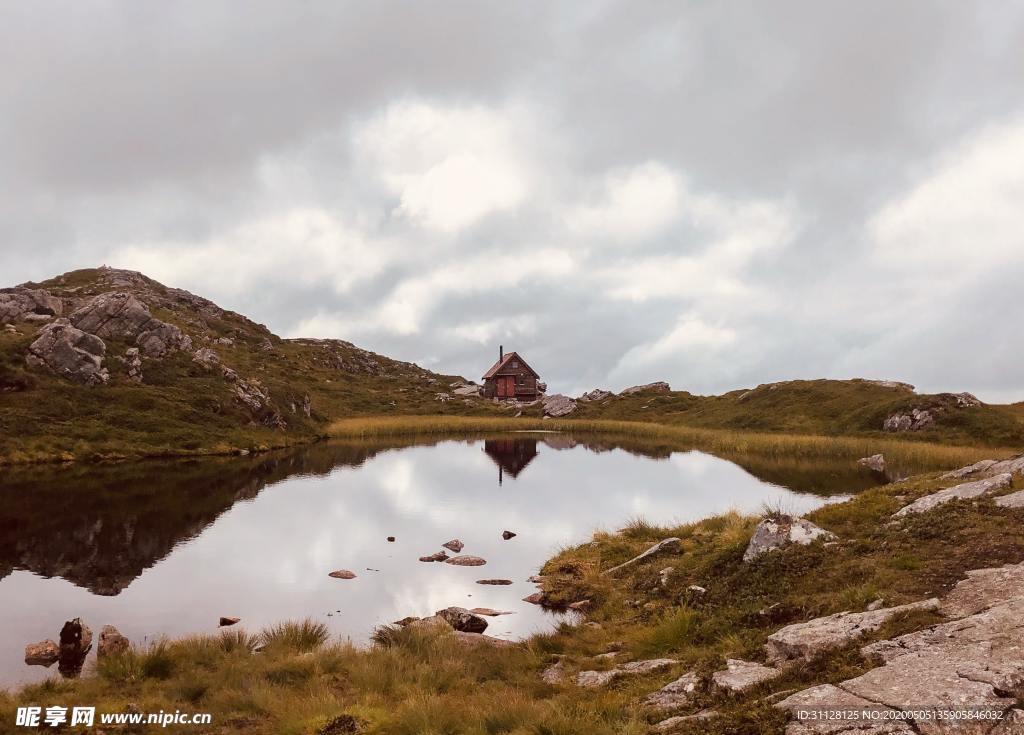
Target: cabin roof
x=501, y=364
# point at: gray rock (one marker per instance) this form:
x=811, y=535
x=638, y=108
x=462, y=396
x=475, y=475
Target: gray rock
x=913, y=420
x=983, y=589
x=467, y=390
x=658, y=387
x=206, y=357
x=594, y=679
x=454, y=545
x=133, y=364
x=557, y=405
x=22, y=303
x=1013, y=500
x=667, y=545
x=876, y=462
x=554, y=674
x=829, y=697
x=674, y=694
x=596, y=395
x=111, y=642
x=44, y=653
x=69, y=352
x=806, y=640
x=462, y=619
x=738, y=675
x=971, y=469
x=775, y=533
x=121, y=315
x=964, y=491
x=674, y=723
x=894, y=384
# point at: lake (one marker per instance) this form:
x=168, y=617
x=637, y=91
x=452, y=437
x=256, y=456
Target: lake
x=164, y=548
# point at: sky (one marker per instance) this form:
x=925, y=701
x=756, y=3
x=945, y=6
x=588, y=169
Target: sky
x=714, y=194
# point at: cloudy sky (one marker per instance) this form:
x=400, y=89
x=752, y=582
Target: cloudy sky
x=715, y=194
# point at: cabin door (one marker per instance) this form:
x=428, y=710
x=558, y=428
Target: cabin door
x=506, y=386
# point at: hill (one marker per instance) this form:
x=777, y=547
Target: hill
x=105, y=363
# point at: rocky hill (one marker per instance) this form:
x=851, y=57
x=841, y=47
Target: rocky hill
x=107, y=362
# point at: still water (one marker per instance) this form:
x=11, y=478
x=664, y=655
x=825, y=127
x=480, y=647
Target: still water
x=166, y=548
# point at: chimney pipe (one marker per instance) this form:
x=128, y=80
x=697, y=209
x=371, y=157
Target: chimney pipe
x=501, y=352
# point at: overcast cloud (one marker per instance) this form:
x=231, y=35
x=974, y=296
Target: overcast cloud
x=715, y=194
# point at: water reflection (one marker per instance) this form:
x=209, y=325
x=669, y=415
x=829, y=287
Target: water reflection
x=168, y=547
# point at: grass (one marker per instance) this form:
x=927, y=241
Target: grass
x=292, y=679
x=727, y=443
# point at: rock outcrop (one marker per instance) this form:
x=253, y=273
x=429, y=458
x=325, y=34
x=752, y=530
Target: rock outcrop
x=964, y=491
x=674, y=694
x=69, y=352
x=774, y=533
x=28, y=304
x=738, y=675
x=913, y=420
x=595, y=679
x=657, y=387
x=122, y=315
x=557, y=405
x=596, y=395
x=988, y=467
x=807, y=640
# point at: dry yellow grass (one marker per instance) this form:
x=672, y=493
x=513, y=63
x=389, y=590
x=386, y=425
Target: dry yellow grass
x=720, y=441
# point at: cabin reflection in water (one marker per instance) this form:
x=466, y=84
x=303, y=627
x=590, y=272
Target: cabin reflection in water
x=511, y=455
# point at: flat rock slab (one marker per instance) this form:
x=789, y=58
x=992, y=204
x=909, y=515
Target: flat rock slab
x=982, y=589
x=665, y=545
x=594, y=679
x=774, y=533
x=806, y=640
x=1013, y=500
x=964, y=491
x=494, y=581
x=674, y=694
x=829, y=697
x=490, y=612
x=741, y=675
x=672, y=724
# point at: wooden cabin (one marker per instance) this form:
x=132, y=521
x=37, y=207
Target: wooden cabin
x=511, y=378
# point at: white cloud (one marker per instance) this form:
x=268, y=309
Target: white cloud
x=966, y=214
x=690, y=340
x=449, y=166
x=633, y=204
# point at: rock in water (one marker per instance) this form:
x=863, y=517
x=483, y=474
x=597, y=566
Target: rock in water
x=466, y=561
x=75, y=644
x=774, y=533
x=463, y=620
x=391, y=539
x=507, y=535
x=342, y=574
x=439, y=556
x=454, y=545
x=111, y=641
x=876, y=462
x=225, y=621
x=494, y=581
x=69, y=352
x=44, y=653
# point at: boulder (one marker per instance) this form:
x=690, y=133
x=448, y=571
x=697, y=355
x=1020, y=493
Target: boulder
x=133, y=364
x=1013, y=500
x=774, y=533
x=596, y=395
x=75, y=644
x=674, y=694
x=44, y=653
x=594, y=679
x=467, y=390
x=556, y=405
x=554, y=674
x=875, y=463
x=666, y=545
x=111, y=642
x=69, y=352
x=964, y=491
x=508, y=535
x=806, y=640
x=738, y=675
x=439, y=556
x=466, y=561
x=342, y=574
x=913, y=420
x=20, y=303
x=454, y=545
x=121, y=315
x=462, y=619
x=658, y=387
